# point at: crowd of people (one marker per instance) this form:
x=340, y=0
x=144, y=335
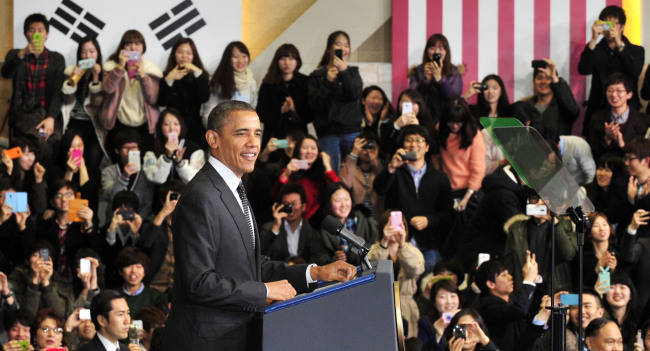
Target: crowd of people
x=101, y=151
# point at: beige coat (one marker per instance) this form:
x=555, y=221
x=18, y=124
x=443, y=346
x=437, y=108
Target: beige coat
x=411, y=264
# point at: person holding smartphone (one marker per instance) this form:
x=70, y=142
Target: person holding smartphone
x=185, y=87
x=393, y=245
x=334, y=90
x=130, y=85
x=474, y=335
x=411, y=110
x=446, y=303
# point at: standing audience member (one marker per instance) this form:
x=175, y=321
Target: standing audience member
x=131, y=85
x=636, y=252
x=419, y=114
x=431, y=327
x=36, y=75
x=420, y=191
x=185, y=87
x=592, y=308
x=110, y=315
x=132, y=264
x=377, y=110
x=600, y=251
x=612, y=54
x=333, y=91
x=575, y=154
x=282, y=103
x=8, y=302
x=27, y=174
x=637, y=161
x=17, y=231
x=621, y=307
x=608, y=190
x=407, y=261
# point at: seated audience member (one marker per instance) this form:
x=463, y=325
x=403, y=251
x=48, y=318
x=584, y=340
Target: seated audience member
x=37, y=285
x=502, y=310
x=110, y=315
x=533, y=234
x=17, y=231
x=503, y=198
x=431, y=327
x=65, y=234
x=314, y=178
x=27, y=175
x=151, y=318
x=600, y=251
x=393, y=245
x=637, y=161
x=621, y=307
x=327, y=248
x=636, y=252
x=7, y=299
x=603, y=334
x=37, y=76
x=273, y=159
x=420, y=191
x=443, y=270
x=157, y=239
x=47, y=329
x=289, y=234
x=378, y=112
x=592, y=308
x=122, y=231
x=78, y=332
x=607, y=191
x=132, y=264
x=553, y=108
x=125, y=175
x=17, y=327
x=575, y=154
x=359, y=170
x=169, y=158
x=613, y=127
x=477, y=335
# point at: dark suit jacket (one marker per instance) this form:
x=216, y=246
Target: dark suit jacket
x=96, y=345
x=218, y=292
x=276, y=247
x=636, y=125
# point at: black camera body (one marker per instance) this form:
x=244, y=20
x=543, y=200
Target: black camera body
x=409, y=156
x=483, y=87
x=127, y=215
x=173, y=196
x=287, y=208
x=370, y=144
x=460, y=332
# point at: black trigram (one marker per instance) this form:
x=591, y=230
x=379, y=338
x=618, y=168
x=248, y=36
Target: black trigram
x=185, y=18
x=68, y=14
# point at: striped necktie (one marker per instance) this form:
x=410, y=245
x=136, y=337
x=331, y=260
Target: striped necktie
x=244, y=201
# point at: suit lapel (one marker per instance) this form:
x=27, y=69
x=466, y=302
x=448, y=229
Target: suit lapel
x=232, y=205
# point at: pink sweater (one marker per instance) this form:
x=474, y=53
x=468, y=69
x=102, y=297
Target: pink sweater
x=464, y=167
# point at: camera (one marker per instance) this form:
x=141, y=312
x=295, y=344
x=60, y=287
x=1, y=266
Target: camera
x=539, y=64
x=481, y=86
x=287, y=208
x=338, y=53
x=460, y=331
x=173, y=196
x=370, y=144
x=127, y=215
x=409, y=156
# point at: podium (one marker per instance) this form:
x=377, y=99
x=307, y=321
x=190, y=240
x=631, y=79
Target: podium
x=362, y=314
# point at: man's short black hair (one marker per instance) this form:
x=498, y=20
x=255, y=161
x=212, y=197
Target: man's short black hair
x=126, y=198
x=414, y=129
x=613, y=11
x=220, y=114
x=126, y=136
x=588, y=290
x=36, y=247
x=174, y=185
x=639, y=147
x=33, y=18
x=102, y=305
x=487, y=272
x=293, y=188
x=16, y=316
x=131, y=255
x=595, y=326
x=619, y=78
x=60, y=184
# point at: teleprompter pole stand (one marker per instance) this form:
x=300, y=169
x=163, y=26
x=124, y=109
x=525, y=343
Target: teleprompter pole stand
x=582, y=222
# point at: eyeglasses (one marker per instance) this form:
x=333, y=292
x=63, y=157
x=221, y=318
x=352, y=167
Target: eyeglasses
x=411, y=141
x=630, y=158
x=67, y=196
x=55, y=330
x=616, y=91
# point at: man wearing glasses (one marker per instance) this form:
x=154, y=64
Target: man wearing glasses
x=412, y=184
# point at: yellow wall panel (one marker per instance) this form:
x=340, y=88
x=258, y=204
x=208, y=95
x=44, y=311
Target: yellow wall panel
x=633, y=9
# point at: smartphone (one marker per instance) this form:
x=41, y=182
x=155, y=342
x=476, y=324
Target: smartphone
x=436, y=58
x=539, y=64
x=370, y=144
x=603, y=277
x=301, y=164
x=44, y=254
x=133, y=335
x=181, y=143
x=639, y=337
x=407, y=107
x=460, y=332
x=18, y=201
x=138, y=324
x=14, y=153
x=172, y=136
x=569, y=299
x=134, y=157
x=84, y=265
x=127, y=215
x=338, y=53
x=37, y=39
x=396, y=219
x=42, y=133
x=77, y=154
x=173, y=196
x=84, y=313
x=447, y=316
x=132, y=55
x=483, y=257
x=281, y=143
x=74, y=206
x=409, y=156
x=86, y=64
x=536, y=210
x=606, y=26
x=24, y=345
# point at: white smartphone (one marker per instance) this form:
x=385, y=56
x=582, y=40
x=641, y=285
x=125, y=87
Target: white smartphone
x=134, y=157
x=407, y=107
x=535, y=210
x=138, y=323
x=447, y=316
x=172, y=136
x=84, y=265
x=483, y=257
x=84, y=313
x=301, y=164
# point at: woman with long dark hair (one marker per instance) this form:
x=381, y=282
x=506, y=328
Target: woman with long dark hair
x=419, y=115
x=600, y=250
x=334, y=90
x=185, y=87
x=476, y=332
x=282, y=103
x=608, y=189
x=232, y=80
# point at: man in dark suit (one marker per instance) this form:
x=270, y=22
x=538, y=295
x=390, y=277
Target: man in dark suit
x=288, y=235
x=110, y=314
x=221, y=280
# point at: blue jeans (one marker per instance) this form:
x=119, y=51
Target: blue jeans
x=431, y=257
x=335, y=146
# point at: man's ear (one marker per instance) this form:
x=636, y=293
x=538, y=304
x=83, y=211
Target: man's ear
x=212, y=137
x=490, y=284
x=103, y=322
x=629, y=95
x=601, y=312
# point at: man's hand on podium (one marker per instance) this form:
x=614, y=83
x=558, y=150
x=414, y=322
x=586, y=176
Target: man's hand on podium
x=280, y=290
x=338, y=270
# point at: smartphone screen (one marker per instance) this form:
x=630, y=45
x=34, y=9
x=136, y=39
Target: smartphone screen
x=483, y=257
x=84, y=265
x=18, y=201
x=44, y=254
x=301, y=164
x=84, y=313
x=407, y=107
x=339, y=53
x=396, y=219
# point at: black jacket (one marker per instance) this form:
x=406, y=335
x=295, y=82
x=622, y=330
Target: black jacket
x=335, y=106
x=636, y=125
x=276, y=247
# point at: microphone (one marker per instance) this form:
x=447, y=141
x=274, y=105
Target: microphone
x=334, y=227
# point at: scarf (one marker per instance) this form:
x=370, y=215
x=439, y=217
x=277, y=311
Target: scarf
x=244, y=81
